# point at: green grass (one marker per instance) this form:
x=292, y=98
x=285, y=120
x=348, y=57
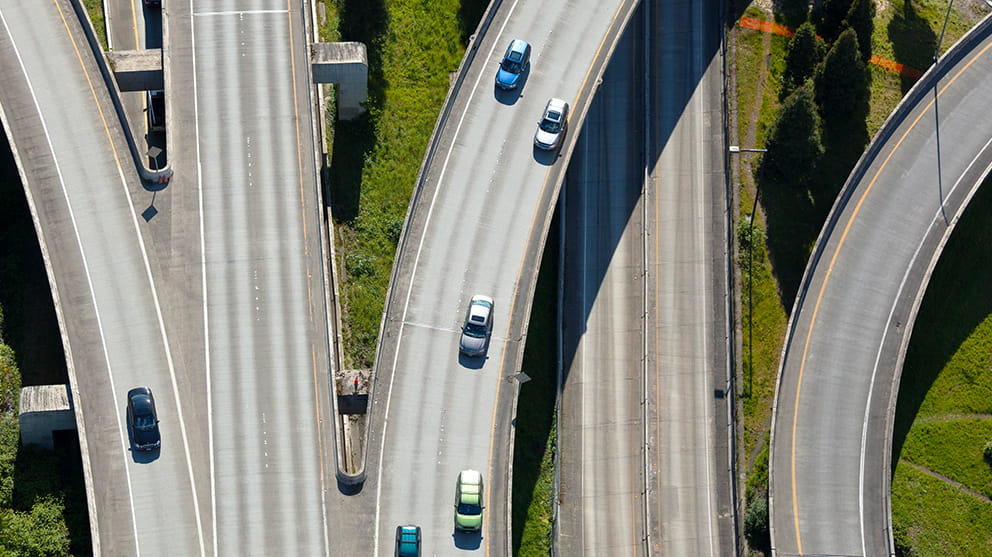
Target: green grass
x=944, y=412
x=907, y=36
x=94, y=8
x=535, y=442
x=375, y=159
x=933, y=518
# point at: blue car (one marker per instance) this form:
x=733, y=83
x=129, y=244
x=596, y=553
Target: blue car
x=514, y=64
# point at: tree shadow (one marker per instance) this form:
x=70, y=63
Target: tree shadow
x=54, y=475
x=469, y=17
x=536, y=403
x=788, y=239
x=956, y=301
x=364, y=21
x=913, y=42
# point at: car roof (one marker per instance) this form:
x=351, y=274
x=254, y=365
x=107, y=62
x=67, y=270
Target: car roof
x=470, y=477
x=556, y=105
x=518, y=45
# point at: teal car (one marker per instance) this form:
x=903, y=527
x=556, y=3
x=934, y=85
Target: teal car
x=407, y=541
x=468, y=501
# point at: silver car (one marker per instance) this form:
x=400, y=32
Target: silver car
x=552, y=126
x=478, y=326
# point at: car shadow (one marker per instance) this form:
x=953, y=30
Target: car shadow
x=546, y=157
x=510, y=96
x=467, y=540
x=472, y=362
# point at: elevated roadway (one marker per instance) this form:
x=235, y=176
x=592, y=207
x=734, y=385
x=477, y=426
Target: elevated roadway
x=244, y=236
x=209, y=289
x=85, y=196
x=832, y=432
x=477, y=225
x=644, y=423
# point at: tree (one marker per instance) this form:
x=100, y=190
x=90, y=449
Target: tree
x=841, y=83
x=806, y=50
x=794, y=141
x=756, y=524
x=830, y=20
x=861, y=18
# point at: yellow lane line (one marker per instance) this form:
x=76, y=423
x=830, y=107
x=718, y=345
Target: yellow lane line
x=830, y=268
x=523, y=259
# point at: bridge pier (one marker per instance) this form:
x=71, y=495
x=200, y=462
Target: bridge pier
x=45, y=409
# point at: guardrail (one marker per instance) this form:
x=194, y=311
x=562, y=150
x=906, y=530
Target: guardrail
x=359, y=476
x=159, y=175
x=922, y=88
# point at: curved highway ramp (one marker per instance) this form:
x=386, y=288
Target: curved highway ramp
x=831, y=441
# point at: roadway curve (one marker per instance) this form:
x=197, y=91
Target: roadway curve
x=477, y=225
x=85, y=196
x=832, y=430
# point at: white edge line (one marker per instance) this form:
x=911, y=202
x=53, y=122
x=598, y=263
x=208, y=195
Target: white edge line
x=89, y=280
x=203, y=287
x=413, y=273
x=885, y=332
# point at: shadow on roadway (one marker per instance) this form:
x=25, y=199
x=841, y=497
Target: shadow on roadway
x=467, y=540
x=473, y=362
x=547, y=158
x=674, y=81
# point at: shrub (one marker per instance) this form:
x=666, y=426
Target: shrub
x=987, y=452
x=756, y=524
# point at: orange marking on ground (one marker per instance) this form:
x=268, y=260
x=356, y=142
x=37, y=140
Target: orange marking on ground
x=775, y=28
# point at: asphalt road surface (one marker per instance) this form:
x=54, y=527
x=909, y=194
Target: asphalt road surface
x=831, y=444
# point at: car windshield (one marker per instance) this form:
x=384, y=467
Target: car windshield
x=469, y=508
x=475, y=330
x=510, y=66
x=144, y=422
x=552, y=122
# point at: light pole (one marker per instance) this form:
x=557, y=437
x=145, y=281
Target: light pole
x=735, y=149
x=936, y=53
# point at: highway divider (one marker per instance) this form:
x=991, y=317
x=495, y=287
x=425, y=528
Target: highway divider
x=158, y=176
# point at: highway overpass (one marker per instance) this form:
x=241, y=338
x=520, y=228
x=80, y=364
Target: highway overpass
x=831, y=447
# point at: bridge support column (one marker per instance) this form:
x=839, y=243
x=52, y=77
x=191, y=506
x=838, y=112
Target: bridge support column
x=43, y=410
x=347, y=65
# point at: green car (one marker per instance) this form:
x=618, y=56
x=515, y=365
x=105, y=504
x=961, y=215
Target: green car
x=407, y=541
x=468, y=501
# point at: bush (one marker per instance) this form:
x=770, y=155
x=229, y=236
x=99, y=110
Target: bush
x=987, y=452
x=756, y=524
x=39, y=533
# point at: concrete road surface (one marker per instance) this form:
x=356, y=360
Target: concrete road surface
x=82, y=186
x=831, y=443
x=477, y=228
x=646, y=300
